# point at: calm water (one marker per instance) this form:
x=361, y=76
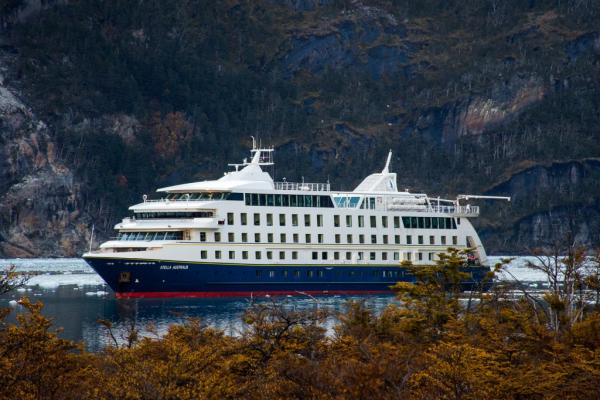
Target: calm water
x=75, y=298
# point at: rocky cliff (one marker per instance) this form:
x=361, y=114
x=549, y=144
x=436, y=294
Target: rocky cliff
x=102, y=102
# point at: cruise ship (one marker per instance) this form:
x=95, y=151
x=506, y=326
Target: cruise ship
x=247, y=235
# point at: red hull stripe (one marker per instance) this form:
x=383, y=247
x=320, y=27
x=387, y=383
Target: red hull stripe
x=131, y=295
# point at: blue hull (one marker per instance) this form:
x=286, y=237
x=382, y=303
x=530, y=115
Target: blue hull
x=157, y=278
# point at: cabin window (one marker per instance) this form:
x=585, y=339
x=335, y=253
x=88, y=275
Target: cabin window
x=396, y=255
x=319, y=220
x=373, y=239
x=282, y=255
x=281, y=219
x=294, y=219
x=282, y=238
x=348, y=255
x=295, y=238
x=361, y=239
x=203, y=236
x=285, y=200
x=427, y=223
x=315, y=255
x=385, y=239
x=420, y=239
x=361, y=221
x=230, y=220
x=443, y=239
x=320, y=238
x=338, y=238
x=421, y=222
x=293, y=201
x=396, y=222
x=244, y=237
x=349, y=238
x=257, y=238
x=408, y=239
x=349, y=221
x=306, y=219
x=271, y=274
x=414, y=224
x=307, y=237
x=203, y=254
x=384, y=256
x=372, y=256
x=269, y=255
x=336, y=255
x=232, y=255
x=256, y=219
x=269, y=219
x=294, y=255
x=373, y=220
x=336, y=221
x=384, y=221
x=278, y=200
x=245, y=255
x=397, y=239
x=217, y=236
x=257, y=255
x=270, y=200
x=296, y=274
x=431, y=239
x=231, y=237
x=244, y=219
x=270, y=237
x=455, y=240
x=434, y=223
x=218, y=254
x=324, y=255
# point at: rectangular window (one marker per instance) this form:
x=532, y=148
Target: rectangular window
x=434, y=223
x=203, y=236
x=282, y=255
x=256, y=219
x=443, y=239
x=406, y=222
x=349, y=221
x=372, y=256
x=408, y=256
x=420, y=239
x=230, y=220
x=384, y=256
x=320, y=238
x=385, y=239
x=269, y=219
x=278, y=200
x=397, y=239
x=336, y=255
x=218, y=254
x=306, y=219
x=315, y=255
x=257, y=255
x=294, y=219
x=243, y=218
x=282, y=238
x=338, y=238
x=217, y=236
x=245, y=255
x=373, y=239
x=360, y=256
x=319, y=220
x=269, y=255
x=204, y=254
x=294, y=255
x=336, y=221
x=384, y=221
x=270, y=237
x=232, y=255
x=430, y=256
x=455, y=240
x=244, y=237
x=420, y=256
x=396, y=222
x=431, y=239
x=307, y=237
x=348, y=255
x=295, y=238
x=408, y=239
x=281, y=219
x=324, y=255
x=361, y=239
x=257, y=238
x=231, y=237
x=373, y=220
x=396, y=256
x=361, y=221
x=349, y=239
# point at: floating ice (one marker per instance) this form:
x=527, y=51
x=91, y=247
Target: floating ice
x=50, y=281
x=13, y=303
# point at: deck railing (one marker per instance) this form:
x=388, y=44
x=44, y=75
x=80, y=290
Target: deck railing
x=304, y=186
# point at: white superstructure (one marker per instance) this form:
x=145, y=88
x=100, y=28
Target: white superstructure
x=245, y=217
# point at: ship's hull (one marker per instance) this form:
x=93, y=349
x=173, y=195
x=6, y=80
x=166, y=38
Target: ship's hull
x=160, y=278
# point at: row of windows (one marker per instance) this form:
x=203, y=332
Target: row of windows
x=173, y=215
x=205, y=196
x=348, y=220
x=150, y=236
x=288, y=200
x=349, y=239
x=321, y=274
x=319, y=255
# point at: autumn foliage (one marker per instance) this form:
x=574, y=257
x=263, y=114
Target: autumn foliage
x=435, y=343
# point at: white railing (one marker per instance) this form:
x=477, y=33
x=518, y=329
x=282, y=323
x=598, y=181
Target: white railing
x=304, y=186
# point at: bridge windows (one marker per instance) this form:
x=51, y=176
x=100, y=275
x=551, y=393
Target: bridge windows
x=428, y=223
x=288, y=200
x=150, y=236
